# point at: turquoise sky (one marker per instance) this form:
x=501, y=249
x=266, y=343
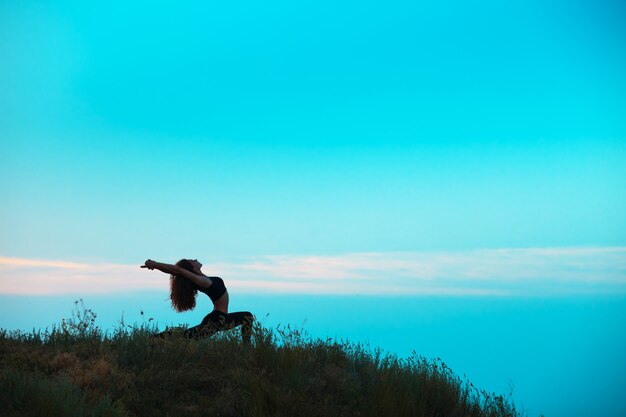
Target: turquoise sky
x=471, y=150
x=225, y=129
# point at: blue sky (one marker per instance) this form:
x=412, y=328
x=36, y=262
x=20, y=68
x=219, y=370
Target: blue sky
x=469, y=157
x=228, y=131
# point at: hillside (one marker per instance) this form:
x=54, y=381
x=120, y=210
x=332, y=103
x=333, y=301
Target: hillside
x=75, y=369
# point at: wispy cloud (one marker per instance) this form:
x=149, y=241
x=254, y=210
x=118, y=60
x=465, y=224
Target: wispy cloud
x=480, y=272
x=36, y=276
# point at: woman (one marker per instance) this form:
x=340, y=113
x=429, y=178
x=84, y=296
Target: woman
x=186, y=279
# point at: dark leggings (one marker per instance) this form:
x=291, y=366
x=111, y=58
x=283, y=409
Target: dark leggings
x=217, y=321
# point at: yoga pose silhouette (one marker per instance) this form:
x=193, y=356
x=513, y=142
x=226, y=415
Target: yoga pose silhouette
x=186, y=279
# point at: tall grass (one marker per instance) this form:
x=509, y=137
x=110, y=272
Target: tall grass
x=77, y=369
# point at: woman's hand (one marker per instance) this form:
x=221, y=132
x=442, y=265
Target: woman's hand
x=150, y=264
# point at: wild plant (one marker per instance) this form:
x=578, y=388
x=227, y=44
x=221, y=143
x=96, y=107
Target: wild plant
x=282, y=372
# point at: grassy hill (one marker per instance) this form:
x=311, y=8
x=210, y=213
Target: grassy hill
x=75, y=369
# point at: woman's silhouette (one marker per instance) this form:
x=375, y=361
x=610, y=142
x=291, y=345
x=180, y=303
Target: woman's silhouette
x=186, y=279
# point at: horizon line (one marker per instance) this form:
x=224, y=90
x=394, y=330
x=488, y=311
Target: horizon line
x=499, y=272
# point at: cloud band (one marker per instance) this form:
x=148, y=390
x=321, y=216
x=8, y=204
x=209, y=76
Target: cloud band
x=481, y=272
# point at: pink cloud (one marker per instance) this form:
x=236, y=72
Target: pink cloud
x=481, y=272
x=35, y=276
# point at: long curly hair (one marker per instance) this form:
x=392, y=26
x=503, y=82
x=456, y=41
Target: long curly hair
x=182, y=291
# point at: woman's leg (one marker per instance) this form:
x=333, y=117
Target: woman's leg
x=211, y=324
x=189, y=333
x=243, y=319
x=215, y=322
x=201, y=330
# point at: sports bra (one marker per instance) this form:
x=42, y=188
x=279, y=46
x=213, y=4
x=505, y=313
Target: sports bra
x=216, y=290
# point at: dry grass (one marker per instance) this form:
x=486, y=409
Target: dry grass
x=76, y=369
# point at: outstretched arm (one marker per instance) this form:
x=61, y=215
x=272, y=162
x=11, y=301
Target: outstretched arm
x=177, y=270
x=167, y=268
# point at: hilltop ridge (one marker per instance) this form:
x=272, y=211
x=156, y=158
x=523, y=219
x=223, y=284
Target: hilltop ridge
x=76, y=369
